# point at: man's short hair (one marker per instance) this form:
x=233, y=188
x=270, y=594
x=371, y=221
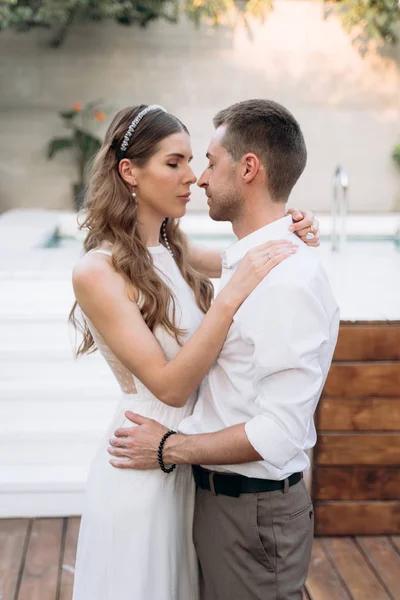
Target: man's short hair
x=270, y=131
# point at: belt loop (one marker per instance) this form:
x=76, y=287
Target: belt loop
x=212, y=485
x=286, y=485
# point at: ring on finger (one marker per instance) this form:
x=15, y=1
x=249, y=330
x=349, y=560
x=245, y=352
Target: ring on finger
x=310, y=234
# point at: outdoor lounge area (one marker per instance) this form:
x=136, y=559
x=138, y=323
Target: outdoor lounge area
x=222, y=114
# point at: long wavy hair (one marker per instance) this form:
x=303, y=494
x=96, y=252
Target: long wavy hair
x=110, y=215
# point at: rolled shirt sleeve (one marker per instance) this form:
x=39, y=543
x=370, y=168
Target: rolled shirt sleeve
x=287, y=326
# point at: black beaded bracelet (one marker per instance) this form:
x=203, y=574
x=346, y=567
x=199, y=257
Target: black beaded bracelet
x=160, y=451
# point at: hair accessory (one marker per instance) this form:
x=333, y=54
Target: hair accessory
x=135, y=123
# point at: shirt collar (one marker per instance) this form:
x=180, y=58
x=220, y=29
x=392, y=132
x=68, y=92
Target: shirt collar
x=274, y=231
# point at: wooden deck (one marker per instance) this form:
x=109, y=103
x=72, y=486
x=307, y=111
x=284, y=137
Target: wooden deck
x=37, y=558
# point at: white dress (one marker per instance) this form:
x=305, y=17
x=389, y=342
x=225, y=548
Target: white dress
x=135, y=540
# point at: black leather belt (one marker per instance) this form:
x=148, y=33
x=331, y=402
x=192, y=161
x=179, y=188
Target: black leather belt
x=233, y=485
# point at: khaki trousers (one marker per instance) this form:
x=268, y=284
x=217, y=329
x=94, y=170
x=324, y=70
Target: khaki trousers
x=254, y=547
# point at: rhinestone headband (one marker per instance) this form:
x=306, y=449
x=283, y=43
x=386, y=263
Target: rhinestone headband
x=135, y=123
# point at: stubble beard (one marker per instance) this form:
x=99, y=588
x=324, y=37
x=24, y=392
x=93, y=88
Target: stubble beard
x=226, y=206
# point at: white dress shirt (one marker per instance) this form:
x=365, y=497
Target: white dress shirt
x=275, y=360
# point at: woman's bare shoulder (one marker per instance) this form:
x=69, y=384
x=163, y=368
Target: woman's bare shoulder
x=94, y=275
x=93, y=269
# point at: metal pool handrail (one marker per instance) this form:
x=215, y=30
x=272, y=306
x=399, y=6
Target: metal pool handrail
x=339, y=207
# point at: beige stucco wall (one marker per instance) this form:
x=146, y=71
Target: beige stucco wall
x=349, y=106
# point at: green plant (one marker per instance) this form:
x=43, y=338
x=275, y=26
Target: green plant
x=396, y=154
x=82, y=141
x=23, y=15
x=376, y=19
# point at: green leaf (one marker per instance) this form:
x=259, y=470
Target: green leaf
x=86, y=142
x=57, y=144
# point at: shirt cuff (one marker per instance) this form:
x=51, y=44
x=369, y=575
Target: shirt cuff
x=269, y=440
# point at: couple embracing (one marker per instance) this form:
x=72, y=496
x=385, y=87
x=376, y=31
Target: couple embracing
x=197, y=490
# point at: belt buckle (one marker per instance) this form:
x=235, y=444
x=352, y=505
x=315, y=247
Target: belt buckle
x=286, y=485
x=211, y=482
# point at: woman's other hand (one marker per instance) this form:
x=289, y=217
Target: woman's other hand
x=306, y=226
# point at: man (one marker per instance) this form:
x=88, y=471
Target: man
x=253, y=422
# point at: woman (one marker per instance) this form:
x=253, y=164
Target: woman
x=146, y=305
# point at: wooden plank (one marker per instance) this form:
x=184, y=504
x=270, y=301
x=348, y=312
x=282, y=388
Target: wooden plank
x=68, y=565
x=323, y=582
x=363, y=379
x=356, y=483
x=359, y=414
x=359, y=578
x=13, y=535
x=40, y=577
x=385, y=560
x=368, y=343
x=357, y=518
x=358, y=449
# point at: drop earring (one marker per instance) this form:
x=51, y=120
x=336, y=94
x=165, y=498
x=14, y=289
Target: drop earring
x=134, y=195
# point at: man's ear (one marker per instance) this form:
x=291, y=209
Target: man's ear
x=127, y=171
x=251, y=167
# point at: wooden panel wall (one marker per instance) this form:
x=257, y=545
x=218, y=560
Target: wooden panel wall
x=356, y=473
